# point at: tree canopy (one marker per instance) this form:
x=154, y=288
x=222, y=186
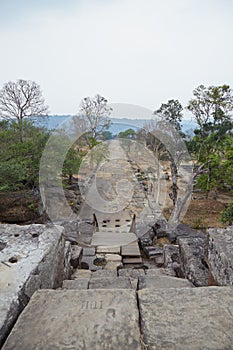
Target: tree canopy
x=21, y=99
x=96, y=111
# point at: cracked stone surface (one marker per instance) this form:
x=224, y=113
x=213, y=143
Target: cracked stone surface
x=187, y=318
x=33, y=257
x=110, y=283
x=71, y=319
x=220, y=255
x=162, y=281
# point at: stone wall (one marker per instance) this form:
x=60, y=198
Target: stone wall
x=31, y=257
x=220, y=255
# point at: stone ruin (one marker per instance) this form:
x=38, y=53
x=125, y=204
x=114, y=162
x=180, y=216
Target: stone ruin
x=44, y=263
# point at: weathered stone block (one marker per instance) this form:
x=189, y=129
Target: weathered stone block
x=91, y=319
x=187, y=318
x=105, y=273
x=33, y=257
x=112, y=265
x=133, y=273
x=79, y=283
x=160, y=271
x=113, y=257
x=193, y=254
x=80, y=273
x=110, y=250
x=153, y=251
x=110, y=283
x=220, y=256
x=88, y=251
x=162, y=281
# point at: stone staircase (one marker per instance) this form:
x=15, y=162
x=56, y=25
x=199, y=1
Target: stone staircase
x=128, y=309
x=117, y=305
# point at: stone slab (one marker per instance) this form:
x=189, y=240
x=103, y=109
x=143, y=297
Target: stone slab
x=69, y=319
x=80, y=283
x=81, y=273
x=108, y=250
x=110, y=283
x=131, y=249
x=112, y=265
x=105, y=273
x=153, y=251
x=31, y=257
x=161, y=281
x=89, y=251
x=193, y=256
x=133, y=273
x=112, y=238
x=187, y=318
x=113, y=257
x=132, y=260
x=160, y=271
x=220, y=255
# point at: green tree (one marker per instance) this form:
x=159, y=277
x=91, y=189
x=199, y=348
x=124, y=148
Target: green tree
x=20, y=160
x=128, y=134
x=171, y=112
x=212, y=108
x=71, y=164
x=21, y=99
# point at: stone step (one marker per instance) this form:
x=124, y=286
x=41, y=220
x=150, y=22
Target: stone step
x=132, y=273
x=187, y=318
x=84, y=319
x=132, y=260
x=131, y=250
x=110, y=283
x=81, y=273
x=111, y=239
x=162, y=281
x=105, y=273
x=160, y=271
x=108, y=250
x=79, y=283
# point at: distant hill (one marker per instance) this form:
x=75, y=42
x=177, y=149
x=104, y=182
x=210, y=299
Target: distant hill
x=118, y=124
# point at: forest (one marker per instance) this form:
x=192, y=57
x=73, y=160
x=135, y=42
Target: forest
x=210, y=146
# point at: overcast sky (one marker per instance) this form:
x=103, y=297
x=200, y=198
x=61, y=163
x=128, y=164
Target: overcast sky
x=140, y=52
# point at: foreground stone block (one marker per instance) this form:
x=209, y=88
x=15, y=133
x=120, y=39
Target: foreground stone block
x=110, y=250
x=187, y=318
x=162, y=281
x=112, y=265
x=160, y=271
x=32, y=257
x=113, y=257
x=110, y=283
x=79, y=283
x=193, y=253
x=220, y=255
x=132, y=273
x=68, y=319
x=105, y=273
x=79, y=273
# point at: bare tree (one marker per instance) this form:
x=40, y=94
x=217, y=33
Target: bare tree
x=21, y=99
x=96, y=111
